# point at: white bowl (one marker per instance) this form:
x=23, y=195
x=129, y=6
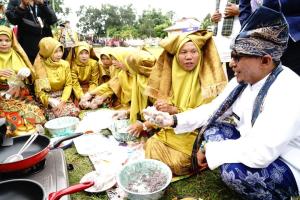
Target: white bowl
x=144, y=179
x=62, y=126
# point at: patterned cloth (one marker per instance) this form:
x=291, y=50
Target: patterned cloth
x=273, y=182
x=228, y=21
x=264, y=33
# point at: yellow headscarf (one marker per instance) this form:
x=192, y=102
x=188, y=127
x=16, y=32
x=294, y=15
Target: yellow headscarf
x=16, y=58
x=111, y=70
x=187, y=89
x=47, y=46
x=133, y=81
x=83, y=73
x=140, y=66
x=73, y=55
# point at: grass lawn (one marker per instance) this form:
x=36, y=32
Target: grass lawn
x=207, y=185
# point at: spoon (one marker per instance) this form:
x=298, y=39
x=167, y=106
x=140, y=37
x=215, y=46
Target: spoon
x=18, y=156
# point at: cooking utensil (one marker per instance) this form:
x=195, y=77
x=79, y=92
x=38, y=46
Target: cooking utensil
x=18, y=156
x=17, y=189
x=37, y=151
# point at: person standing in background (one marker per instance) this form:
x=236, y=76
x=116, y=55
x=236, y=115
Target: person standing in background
x=291, y=11
x=67, y=37
x=227, y=26
x=3, y=20
x=33, y=18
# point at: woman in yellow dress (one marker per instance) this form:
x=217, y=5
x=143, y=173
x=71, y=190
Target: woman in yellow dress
x=16, y=103
x=106, y=68
x=53, y=84
x=188, y=74
x=84, y=69
x=128, y=85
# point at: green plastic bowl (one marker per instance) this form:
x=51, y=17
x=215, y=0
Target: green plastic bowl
x=62, y=126
x=144, y=179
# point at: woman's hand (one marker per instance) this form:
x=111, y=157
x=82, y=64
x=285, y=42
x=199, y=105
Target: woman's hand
x=98, y=100
x=202, y=164
x=135, y=129
x=164, y=106
x=58, y=110
x=6, y=73
x=53, y=102
x=86, y=97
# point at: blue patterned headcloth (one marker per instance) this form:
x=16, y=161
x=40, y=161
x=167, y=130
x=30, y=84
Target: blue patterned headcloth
x=264, y=32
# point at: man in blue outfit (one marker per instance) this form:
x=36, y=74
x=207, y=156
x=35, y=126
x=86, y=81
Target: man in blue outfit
x=253, y=133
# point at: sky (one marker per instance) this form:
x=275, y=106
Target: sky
x=182, y=8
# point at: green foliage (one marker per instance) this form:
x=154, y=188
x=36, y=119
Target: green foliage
x=150, y=20
x=206, y=22
x=120, y=22
x=57, y=6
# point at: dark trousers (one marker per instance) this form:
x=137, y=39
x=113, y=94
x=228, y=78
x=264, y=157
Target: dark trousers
x=291, y=57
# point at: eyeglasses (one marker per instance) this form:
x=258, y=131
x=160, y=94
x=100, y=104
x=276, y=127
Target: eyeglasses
x=236, y=57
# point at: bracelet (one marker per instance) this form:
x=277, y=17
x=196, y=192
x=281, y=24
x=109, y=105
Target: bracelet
x=175, y=121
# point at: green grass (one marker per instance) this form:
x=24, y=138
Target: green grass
x=207, y=185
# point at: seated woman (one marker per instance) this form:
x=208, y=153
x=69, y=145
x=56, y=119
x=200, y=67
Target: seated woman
x=16, y=104
x=106, y=68
x=84, y=69
x=53, y=84
x=187, y=74
x=128, y=85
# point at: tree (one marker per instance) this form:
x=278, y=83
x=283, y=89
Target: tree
x=120, y=22
x=57, y=6
x=152, y=22
x=206, y=23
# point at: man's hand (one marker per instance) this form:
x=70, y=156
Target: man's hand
x=202, y=164
x=164, y=106
x=216, y=17
x=231, y=10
